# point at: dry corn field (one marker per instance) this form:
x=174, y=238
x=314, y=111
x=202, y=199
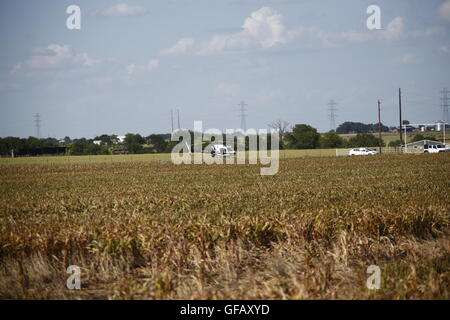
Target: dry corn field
x=154, y=230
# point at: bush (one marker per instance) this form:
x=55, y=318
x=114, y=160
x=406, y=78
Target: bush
x=365, y=140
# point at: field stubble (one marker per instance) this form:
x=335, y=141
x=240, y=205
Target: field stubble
x=159, y=231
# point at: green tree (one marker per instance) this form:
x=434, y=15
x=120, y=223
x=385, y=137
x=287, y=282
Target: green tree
x=358, y=127
x=365, y=140
x=303, y=136
x=134, y=142
x=158, y=142
x=331, y=140
x=395, y=143
x=420, y=137
x=78, y=147
x=105, y=140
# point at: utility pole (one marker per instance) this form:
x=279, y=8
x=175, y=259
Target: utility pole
x=37, y=122
x=445, y=99
x=332, y=114
x=171, y=118
x=243, y=115
x=178, y=112
x=379, y=125
x=400, y=114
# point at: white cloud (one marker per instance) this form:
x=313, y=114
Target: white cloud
x=264, y=29
x=54, y=56
x=182, y=46
x=312, y=33
x=445, y=49
x=409, y=58
x=123, y=10
x=150, y=66
x=130, y=68
x=428, y=32
x=394, y=30
x=444, y=11
x=355, y=36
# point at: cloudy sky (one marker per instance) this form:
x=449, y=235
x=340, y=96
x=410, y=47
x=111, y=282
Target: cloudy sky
x=134, y=61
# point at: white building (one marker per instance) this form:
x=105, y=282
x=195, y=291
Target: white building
x=120, y=139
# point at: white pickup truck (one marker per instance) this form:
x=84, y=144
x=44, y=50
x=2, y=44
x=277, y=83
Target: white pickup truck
x=221, y=150
x=436, y=148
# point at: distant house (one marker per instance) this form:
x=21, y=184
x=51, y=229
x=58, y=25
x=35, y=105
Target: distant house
x=421, y=146
x=97, y=142
x=120, y=139
x=440, y=125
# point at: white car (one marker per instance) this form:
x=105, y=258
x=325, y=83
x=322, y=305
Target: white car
x=221, y=150
x=428, y=148
x=362, y=152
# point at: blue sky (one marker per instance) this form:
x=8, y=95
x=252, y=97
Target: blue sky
x=134, y=61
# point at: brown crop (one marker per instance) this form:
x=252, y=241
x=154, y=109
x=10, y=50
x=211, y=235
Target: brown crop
x=154, y=230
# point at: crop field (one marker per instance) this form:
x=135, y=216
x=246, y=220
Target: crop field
x=143, y=228
x=50, y=160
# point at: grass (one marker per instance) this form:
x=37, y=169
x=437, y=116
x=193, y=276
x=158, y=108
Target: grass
x=153, y=230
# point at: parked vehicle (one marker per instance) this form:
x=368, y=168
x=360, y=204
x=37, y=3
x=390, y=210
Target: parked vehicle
x=436, y=148
x=221, y=150
x=362, y=152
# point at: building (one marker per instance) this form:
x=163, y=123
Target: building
x=419, y=146
x=440, y=125
x=120, y=139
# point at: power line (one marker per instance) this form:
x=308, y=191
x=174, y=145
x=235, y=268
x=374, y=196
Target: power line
x=243, y=115
x=37, y=123
x=332, y=114
x=400, y=114
x=445, y=99
x=379, y=125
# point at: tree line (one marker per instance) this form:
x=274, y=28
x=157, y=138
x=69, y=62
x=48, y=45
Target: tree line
x=358, y=127
x=104, y=144
x=302, y=136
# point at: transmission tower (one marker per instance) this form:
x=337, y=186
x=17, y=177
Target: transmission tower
x=332, y=114
x=243, y=115
x=445, y=99
x=37, y=123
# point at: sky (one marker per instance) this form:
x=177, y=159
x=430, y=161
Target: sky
x=133, y=61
